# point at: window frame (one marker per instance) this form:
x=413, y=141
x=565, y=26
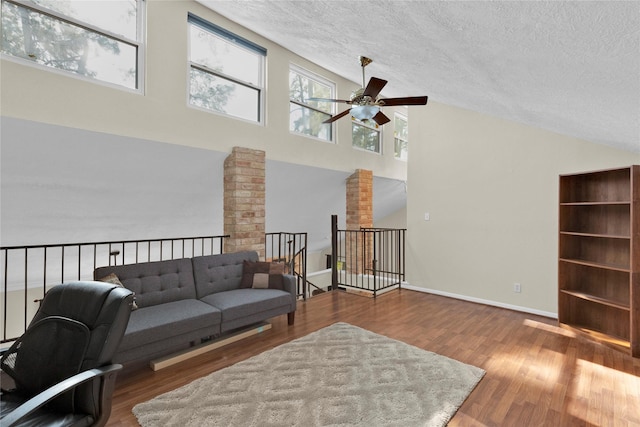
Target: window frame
x=375, y=127
x=138, y=44
x=324, y=81
x=405, y=118
x=237, y=41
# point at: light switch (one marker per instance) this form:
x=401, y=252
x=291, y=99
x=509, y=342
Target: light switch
x=426, y=216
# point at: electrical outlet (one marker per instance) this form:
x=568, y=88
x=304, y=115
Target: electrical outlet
x=516, y=288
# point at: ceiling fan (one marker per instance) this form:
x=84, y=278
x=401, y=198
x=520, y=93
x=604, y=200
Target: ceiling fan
x=365, y=102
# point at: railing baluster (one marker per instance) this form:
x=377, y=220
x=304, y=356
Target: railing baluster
x=59, y=255
x=26, y=287
x=44, y=273
x=374, y=258
x=374, y=266
x=79, y=260
x=289, y=248
x=6, y=294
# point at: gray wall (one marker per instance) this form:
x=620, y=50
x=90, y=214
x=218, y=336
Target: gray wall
x=69, y=185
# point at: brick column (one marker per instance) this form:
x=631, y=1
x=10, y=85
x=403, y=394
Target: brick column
x=359, y=214
x=244, y=200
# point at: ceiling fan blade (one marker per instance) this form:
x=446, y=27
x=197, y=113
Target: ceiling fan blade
x=409, y=100
x=374, y=87
x=328, y=100
x=337, y=116
x=380, y=118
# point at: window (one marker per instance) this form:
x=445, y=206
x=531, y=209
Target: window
x=400, y=136
x=366, y=135
x=93, y=39
x=226, y=71
x=305, y=116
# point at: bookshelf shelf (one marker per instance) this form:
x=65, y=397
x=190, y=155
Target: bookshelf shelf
x=599, y=255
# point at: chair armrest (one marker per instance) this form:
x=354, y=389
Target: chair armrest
x=52, y=392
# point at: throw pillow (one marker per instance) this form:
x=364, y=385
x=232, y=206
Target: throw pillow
x=273, y=270
x=260, y=281
x=114, y=280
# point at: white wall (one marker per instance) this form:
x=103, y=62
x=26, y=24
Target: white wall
x=490, y=185
x=397, y=219
x=83, y=161
x=162, y=114
x=491, y=189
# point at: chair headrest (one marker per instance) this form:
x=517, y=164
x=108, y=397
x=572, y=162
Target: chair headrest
x=84, y=301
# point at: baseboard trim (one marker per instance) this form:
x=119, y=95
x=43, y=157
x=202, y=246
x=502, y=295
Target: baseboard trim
x=481, y=301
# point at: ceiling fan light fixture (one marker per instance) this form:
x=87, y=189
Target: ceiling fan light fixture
x=365, y=103
x=364, y=112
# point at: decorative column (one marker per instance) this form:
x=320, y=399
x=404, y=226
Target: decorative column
x=244, y=200
x=359, y=250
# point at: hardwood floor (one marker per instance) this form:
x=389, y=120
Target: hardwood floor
x=537, y=373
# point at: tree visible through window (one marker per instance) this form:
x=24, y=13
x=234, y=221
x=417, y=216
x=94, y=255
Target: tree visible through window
x=400, y=137
x=98, y=40
x=306, y=116
x=366, y=135
x=226, y=71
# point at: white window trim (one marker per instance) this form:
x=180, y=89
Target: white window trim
x=406, y=119
x=323, y=80
x=261, y=91
x=139, y=44
x=193, y=19
x=380, y=136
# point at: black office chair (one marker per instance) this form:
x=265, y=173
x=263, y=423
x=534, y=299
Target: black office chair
x=61, y=366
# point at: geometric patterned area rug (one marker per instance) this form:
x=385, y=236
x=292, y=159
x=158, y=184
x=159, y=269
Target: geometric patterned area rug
x=341, y=375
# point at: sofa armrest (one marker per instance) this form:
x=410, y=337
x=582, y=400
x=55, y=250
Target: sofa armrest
x=289, y=284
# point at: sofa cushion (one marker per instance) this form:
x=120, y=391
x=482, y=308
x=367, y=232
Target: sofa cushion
x=243, y=302
x=156, y=323
x=217, y=273
x=254, y=270
x=155, y=282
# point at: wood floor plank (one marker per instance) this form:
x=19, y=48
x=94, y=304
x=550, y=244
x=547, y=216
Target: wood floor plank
x=537, y=373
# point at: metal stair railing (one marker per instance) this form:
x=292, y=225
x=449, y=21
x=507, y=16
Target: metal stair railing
x=27, y=272
x=290, y=248
x=369, y=259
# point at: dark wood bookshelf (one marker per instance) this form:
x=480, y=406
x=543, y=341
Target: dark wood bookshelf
x=599, y=256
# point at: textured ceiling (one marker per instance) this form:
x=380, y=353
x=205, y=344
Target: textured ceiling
x=572, y=67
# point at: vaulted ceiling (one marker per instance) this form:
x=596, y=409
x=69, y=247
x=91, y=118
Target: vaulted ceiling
x=572, y=67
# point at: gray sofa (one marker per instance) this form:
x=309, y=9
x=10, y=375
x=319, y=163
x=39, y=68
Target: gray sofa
x=185, y=301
